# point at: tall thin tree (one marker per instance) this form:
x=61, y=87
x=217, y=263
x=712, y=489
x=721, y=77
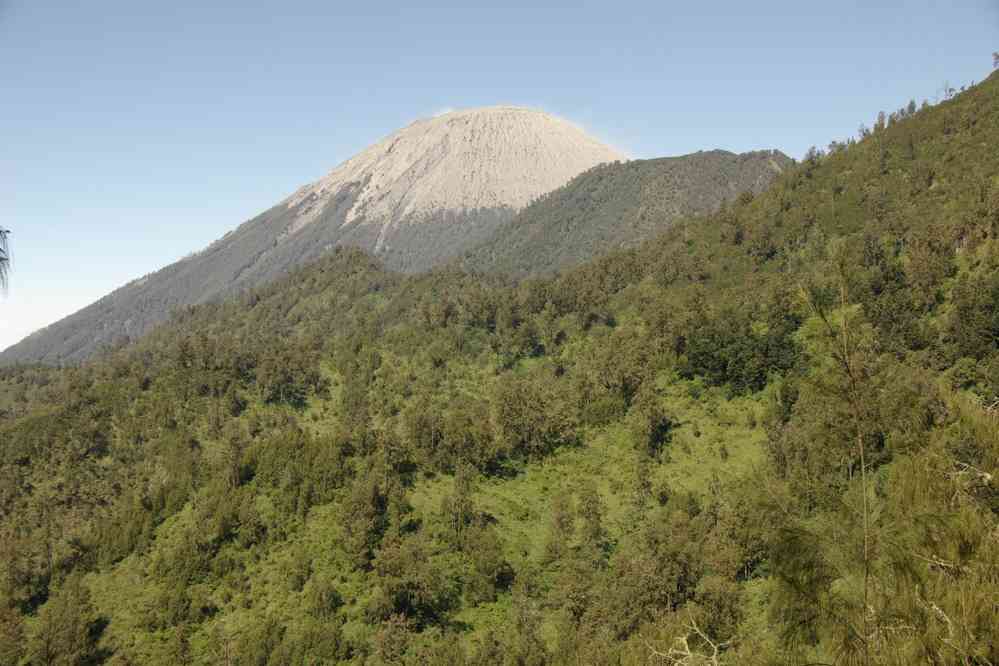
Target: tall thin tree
x=4, y=259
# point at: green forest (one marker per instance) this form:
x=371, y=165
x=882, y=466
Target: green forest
x=766, y=436
x=617, y=205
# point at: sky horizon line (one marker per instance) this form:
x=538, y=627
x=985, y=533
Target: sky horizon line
x=135, y=135
x=940, y=97
x=195, y=252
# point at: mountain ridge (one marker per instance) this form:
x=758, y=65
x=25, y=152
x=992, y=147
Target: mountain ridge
x=618, y=205
x=415, y=198
x=421, y=197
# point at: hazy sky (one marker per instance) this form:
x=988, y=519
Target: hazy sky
x=134, y=132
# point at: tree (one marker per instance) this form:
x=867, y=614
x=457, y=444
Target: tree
x=532, y=416
x=366, y=517
x=854, y=373
x=414, y=584
x=690, y=644
x=650, y=426
x=11, y=636
x=995, y=59
x=62, y=633
x=4, y=258
x=458, y=509
x=590, y=510
x=560, y=529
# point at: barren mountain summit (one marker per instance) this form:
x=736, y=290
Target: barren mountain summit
x=476, y=160
x=419, y=197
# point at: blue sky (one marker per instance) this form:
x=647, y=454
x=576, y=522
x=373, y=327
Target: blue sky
x=133, y=132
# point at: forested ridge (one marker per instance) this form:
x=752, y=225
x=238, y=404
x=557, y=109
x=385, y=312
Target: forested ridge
x=767, y=436
x=618, y=205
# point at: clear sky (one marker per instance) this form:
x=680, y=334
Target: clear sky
x=134, y=132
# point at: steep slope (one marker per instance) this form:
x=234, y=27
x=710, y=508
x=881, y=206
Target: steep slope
x=684, y=445
x=617, y=205
x=415, y=199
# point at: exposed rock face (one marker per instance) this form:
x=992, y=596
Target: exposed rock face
x=464, y=161
x=418, y=198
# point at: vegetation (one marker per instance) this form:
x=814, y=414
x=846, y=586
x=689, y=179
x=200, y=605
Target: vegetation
x=619, y=205
x=769, y=436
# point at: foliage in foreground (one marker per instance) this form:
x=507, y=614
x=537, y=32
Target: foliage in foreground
x=769, y=436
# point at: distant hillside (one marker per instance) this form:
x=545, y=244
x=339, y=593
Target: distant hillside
x=420, y=197
x=618, y=205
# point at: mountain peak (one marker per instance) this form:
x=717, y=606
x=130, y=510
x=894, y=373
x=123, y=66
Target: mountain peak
x=417, y=198
x=488, y=158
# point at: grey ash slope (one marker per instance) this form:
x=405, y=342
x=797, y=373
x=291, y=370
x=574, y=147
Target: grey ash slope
x=416, y=199
x=618, y=205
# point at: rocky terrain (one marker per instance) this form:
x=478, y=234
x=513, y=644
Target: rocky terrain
x=415, y=199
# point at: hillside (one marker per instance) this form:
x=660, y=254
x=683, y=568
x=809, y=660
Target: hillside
x=766, y=436
x=415, y=199
x=618, y=205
